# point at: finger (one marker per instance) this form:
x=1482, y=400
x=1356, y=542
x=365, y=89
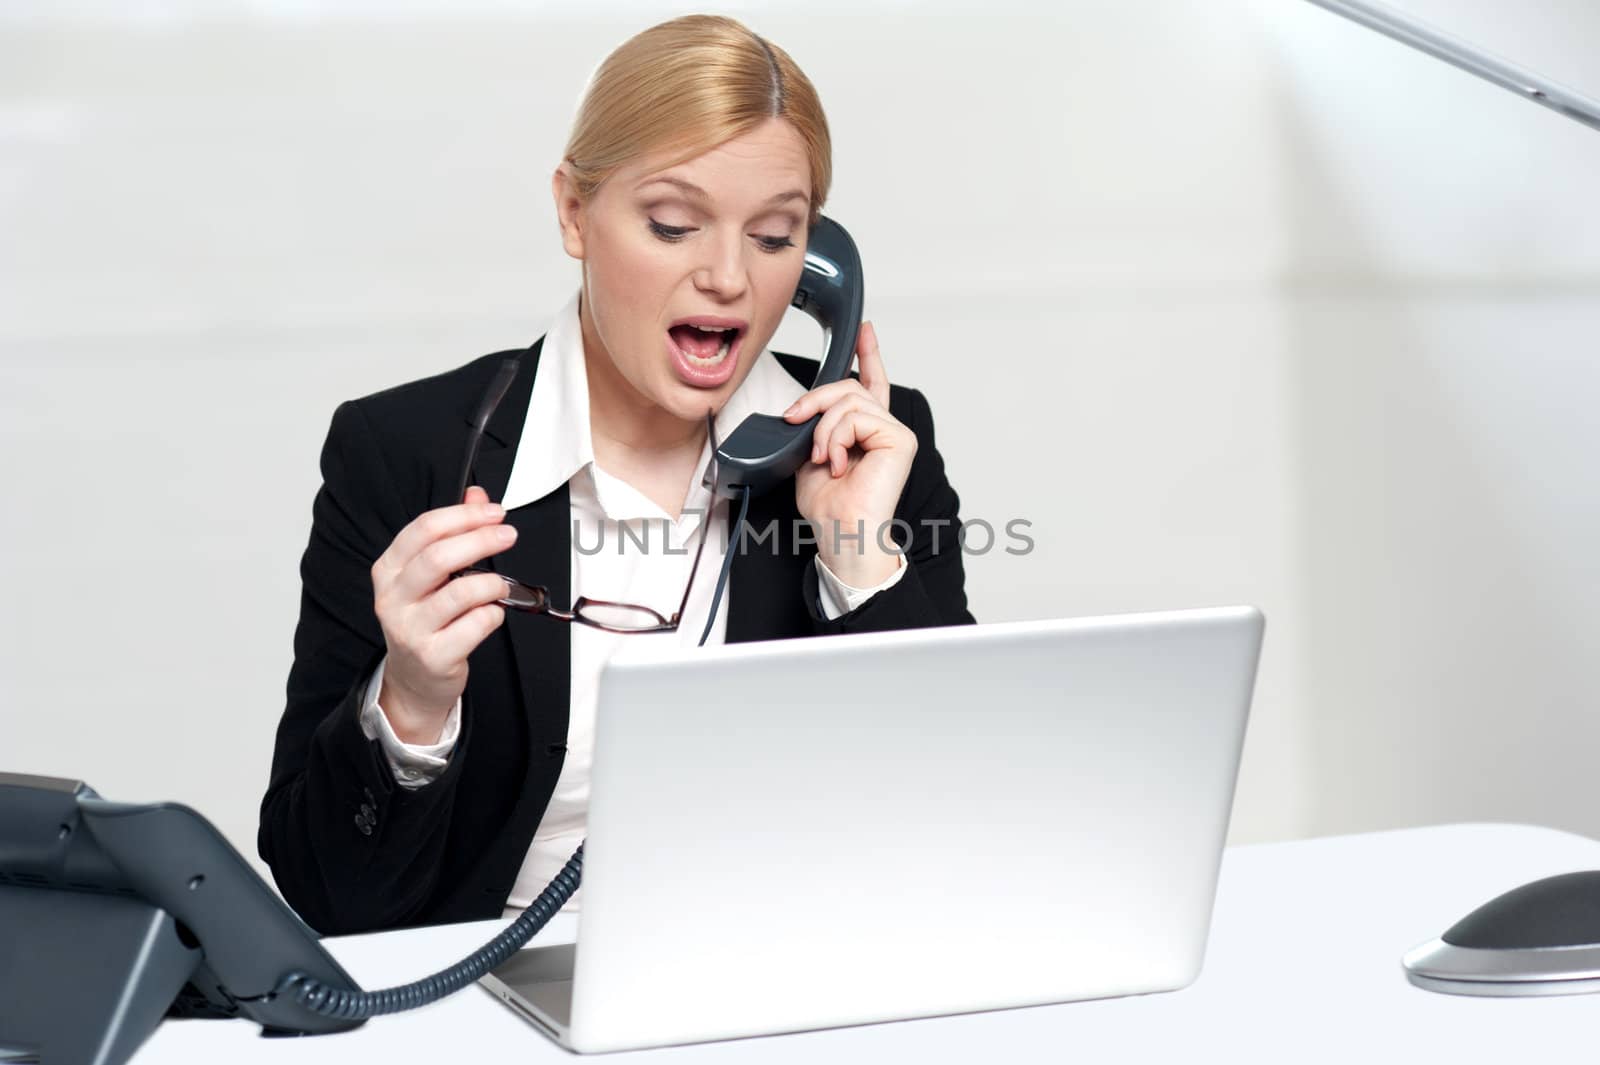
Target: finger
x=462, y=636
x=431, y=525
x=870, y=359
x=825, y=396
x=439, y=609
x=475, y=494
x=434, y=564
x=831, y=417
x=866, y=430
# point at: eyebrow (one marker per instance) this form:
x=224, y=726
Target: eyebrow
x=699, y=193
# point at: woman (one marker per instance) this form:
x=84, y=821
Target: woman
x=408, y=788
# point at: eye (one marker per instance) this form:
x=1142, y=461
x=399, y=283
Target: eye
x=676, y=233
x=666, y=232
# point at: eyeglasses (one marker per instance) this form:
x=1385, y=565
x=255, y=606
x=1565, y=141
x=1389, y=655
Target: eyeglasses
x=534, y=598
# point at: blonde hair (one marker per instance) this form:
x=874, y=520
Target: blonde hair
x=690, y=84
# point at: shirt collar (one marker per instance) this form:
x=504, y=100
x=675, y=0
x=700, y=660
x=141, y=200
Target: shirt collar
x=556, y=441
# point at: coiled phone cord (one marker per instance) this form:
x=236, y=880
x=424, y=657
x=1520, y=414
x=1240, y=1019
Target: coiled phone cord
x=319, y=998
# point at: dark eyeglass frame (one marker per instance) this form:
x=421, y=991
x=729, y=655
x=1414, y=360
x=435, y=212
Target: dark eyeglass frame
x=535, y=598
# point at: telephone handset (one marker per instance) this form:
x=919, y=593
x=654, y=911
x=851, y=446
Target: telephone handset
x=764, y=449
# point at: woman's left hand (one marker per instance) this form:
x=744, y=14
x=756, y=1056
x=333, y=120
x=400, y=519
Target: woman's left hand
x=860, y=459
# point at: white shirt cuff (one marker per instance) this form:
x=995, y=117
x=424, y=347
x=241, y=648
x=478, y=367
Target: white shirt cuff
x=839, y=598
x=413, y=764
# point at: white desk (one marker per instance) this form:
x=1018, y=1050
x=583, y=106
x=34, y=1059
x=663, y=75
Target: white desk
x=1303, y=965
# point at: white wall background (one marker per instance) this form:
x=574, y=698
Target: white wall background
x=1236, y=302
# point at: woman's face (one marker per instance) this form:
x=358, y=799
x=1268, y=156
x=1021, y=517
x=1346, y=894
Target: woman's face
x=673, y=259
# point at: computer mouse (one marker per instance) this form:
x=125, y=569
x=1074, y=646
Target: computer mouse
x=1542, y=938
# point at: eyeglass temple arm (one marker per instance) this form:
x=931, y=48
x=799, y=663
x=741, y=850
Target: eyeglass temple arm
x=480, y=420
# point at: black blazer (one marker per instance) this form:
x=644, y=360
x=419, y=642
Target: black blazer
x=350, y=849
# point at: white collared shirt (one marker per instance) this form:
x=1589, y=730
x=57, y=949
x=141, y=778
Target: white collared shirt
x=556, y=446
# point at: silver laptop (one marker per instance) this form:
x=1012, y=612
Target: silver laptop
x=803, y=834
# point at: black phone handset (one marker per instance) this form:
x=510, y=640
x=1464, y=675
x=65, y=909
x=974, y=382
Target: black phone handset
x=763, y=451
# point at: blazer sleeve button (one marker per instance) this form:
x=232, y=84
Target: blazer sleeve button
x=363, y=825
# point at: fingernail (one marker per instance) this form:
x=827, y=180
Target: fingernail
x=814, y=453
x=792, y=408
x=507, y=533
x=495, y=510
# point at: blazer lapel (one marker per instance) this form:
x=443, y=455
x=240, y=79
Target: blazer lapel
x=541, y=647
x=766, y=576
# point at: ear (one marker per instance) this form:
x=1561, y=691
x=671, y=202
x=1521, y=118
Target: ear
x=569, y=210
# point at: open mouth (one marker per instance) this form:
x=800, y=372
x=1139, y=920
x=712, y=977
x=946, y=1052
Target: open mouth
x=702, y=346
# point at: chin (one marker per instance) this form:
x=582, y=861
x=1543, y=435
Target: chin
x=690, y=403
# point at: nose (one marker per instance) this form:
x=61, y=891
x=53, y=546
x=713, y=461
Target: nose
x=723, y=274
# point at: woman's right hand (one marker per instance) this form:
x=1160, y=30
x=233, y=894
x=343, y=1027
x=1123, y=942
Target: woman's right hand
x=431, y=622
